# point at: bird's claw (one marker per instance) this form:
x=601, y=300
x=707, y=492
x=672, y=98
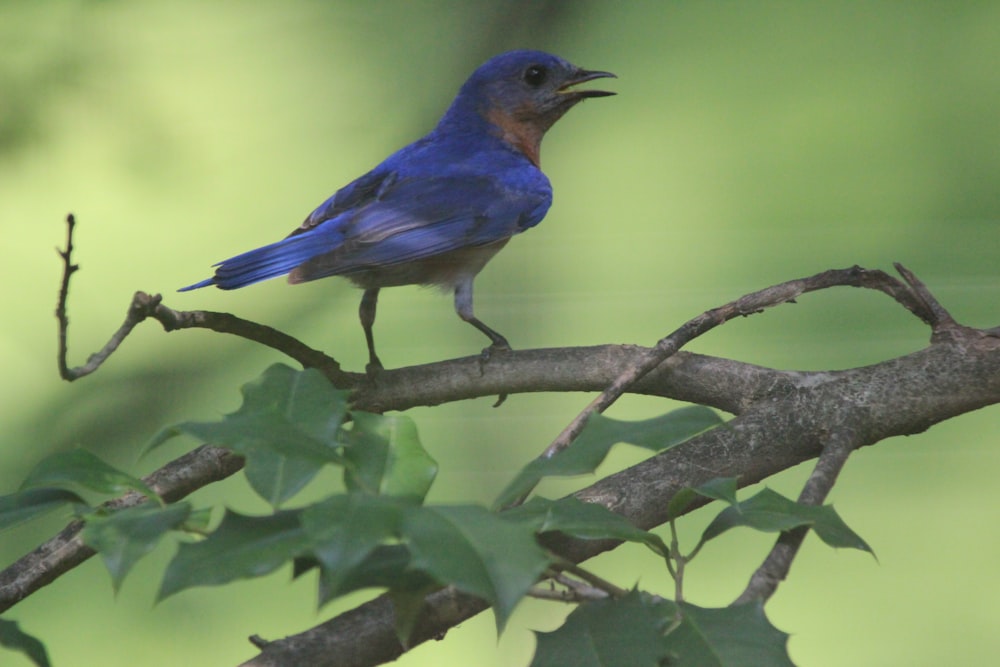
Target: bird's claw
x=489, y=351
x=373, y=368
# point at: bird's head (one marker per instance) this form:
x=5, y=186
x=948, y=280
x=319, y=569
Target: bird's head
x=523, y=93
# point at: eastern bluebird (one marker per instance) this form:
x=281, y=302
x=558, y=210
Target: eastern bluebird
x=436, y=211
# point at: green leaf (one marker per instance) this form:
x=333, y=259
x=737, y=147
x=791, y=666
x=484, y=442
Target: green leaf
x=78, y=468
x=240, y=548
x=720, y=488
x=12, y=637
x=344, y=530
x=477, y=551
x=275, y=476
x=125, y=536
x=591, y=447
x=771, y=512
x=198, y=520
x=588, y=521
x=386, y=457
x=287, y=428
x=25, y=505
x=735, y=636
x=624, y=632
x=387, y=566
x=408, y=609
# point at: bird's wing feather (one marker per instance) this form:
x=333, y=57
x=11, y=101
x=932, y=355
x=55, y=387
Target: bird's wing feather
x=416, y=218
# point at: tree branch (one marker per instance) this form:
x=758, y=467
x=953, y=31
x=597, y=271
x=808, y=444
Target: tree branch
x=782, y=429
x=765, y=580
x=145, y=306
x=66, y=550
x=747, y=305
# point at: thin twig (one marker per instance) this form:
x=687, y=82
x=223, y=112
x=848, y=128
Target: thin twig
x=746, y=305
x=574, y=592
x=68, y=269
x=942, y=318
x=145, y=306
x=587, y=576
x=765, y=580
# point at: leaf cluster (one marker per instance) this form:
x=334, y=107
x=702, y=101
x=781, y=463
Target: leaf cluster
x=380, y=533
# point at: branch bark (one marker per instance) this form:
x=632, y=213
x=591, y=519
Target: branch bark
x=786, y=425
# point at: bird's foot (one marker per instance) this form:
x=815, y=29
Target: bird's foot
x=373, y=368
x=488, y=353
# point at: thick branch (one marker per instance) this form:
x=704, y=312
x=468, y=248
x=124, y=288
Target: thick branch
x=65, y=551
x=898, y=397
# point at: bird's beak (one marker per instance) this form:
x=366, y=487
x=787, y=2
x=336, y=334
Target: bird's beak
x=582, y=76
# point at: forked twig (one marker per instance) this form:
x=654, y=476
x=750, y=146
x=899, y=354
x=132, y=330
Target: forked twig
x=145, y=306
x=746, y=305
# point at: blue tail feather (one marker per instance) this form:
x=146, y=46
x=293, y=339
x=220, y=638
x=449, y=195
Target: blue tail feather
x=269, y=261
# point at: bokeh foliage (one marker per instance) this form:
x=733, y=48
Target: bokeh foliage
x=750, y=143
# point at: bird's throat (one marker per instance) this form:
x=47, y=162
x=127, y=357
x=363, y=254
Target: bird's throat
x=524, y=136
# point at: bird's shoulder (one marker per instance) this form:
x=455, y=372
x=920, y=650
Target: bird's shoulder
x=440, y=176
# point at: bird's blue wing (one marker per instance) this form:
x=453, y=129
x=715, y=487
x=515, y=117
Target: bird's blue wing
x=417, y=218
x=382, y=219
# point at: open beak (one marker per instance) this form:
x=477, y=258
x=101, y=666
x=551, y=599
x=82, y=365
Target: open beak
x=582, y=76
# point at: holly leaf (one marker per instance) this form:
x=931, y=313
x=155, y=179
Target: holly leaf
x=769, y=511
x=477, y=551
x=240, y=548
x=720, y=488
x=598, y=436
x=344, y=530
x=736, y=636
x=125, y=536
x=26, y=505
x=287, y=428
x=80, y=469
x=12, y=637
x=385, y=457
x=576, y=518
x=623, y=632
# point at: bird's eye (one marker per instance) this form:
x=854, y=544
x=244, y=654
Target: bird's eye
x=535, y=75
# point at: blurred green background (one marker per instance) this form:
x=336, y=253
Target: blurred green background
x=750, y=143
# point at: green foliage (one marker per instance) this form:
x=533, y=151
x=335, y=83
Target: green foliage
x=12, y=637
x=379, y=533
x=623, y=632
x=601, y=433
x=770, y=512
x=639, y=631
x=576, y=518
x=477, y=551
x=720, y=488
x=125, y=536
x=288, y=428
x=25, y=505
x=384, y=456
x=734, y=636
x=80, y=469
x=240, y=548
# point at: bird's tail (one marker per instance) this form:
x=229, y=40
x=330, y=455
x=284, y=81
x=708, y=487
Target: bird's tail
x=269, y=261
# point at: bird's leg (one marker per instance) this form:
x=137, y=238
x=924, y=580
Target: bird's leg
x=369, y=300
x=463, y=306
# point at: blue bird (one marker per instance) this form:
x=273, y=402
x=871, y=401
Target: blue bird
x=436, y=211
